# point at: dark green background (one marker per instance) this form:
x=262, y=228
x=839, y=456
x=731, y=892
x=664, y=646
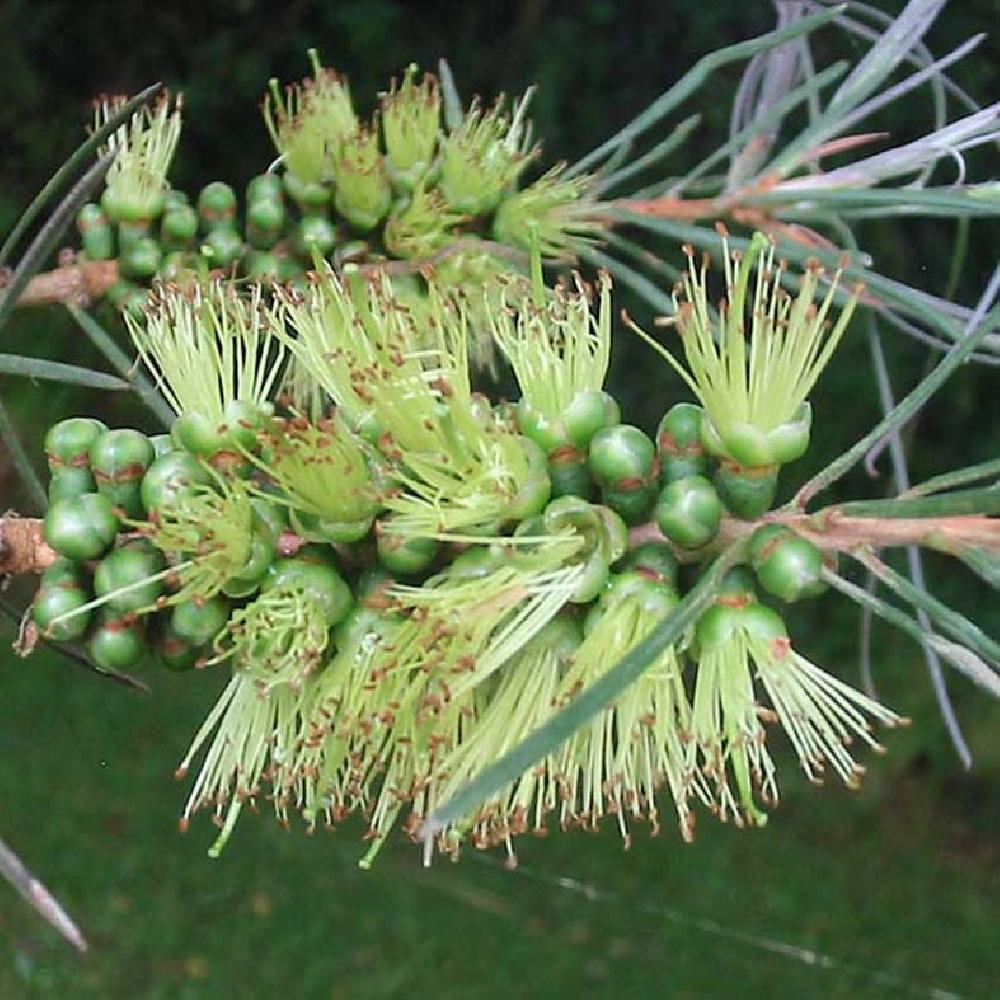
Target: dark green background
x=898, y=885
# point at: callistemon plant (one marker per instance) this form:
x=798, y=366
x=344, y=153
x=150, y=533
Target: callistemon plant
x=464, y=617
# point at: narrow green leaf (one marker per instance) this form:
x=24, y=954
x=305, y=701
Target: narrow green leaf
x=594, y=699
x=123, y=364
x=70, y=166
x=962, y=659
x=56, y=371
x=23, y=465
x=948, y=480
x=982, y=562
x=950, y=622
x=948, y=202
x=660, y=151
x=984, y=501
x=49, y=236
x=695, y=77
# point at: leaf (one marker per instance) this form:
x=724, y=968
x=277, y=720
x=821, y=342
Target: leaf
x=453, y=114
x=125, y=366
x=49, y=235
x=694, y=78
x=947, y=619
x=982, y=562
x=56, y=371
x=594, y=699
x=984, y=501
x=848, y=201
x=69, y=167
x=660, y=151
x=970, y=474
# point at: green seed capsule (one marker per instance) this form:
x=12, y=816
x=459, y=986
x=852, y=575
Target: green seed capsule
x=222, y=246
x=162, y=443
x=716, y=627
x=787, y=565
x=119, y=460
x=96, y=233
x=320, y=580
x=588, y=412
x=179, y=227
x=197, y=434
x=172, y=653
x=175, y=198
x=404, y=556
x=737, y=587
x=126, y=296
x=680, y=448
x=140, y=259
x=689, y=512
x=169, y=477
x=747, y=492
x=312, y=198
x=126, y=573
x=216, y=205
x=761, y=622
x=547, y=434
x=54, y=602
x=198, y=622
x=70, y=481
x=63, y=573
x=265, y=223
x=654, y=559
x=634, y=505
x=177, y=266
x=314, y=234
x=569, y=473
x=69, y=441
x=622, y=457
x=81, y=528
x=265, y=187
x=117, y=645
x=263, y=266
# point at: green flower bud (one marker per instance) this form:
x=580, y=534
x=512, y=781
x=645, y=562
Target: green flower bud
x=404, y=556
x=81, y=528
x=117, y=645
x=679, y=443
x=737, y=587
x=162, y=443
x=54, y=602
x=130, y=570
x=761, y=622
x=589, y=411
x=140, y=259
x=263, y=266
x=311, y=197
x=622, y=457
x=265, y=187
x=787, y=565
x=119, y=460
x=63, y=573
x=747, y=492
x=172, y=652
x=632, y=505
x=716, y=627
x=689, y=512
x=68, y=442
x=654, y=559
x=96, y=233
x=223, y=246
x=217, y=205
x=314, y=234
x=70, y=481
x=179, y=227
x=197, y=623
x=265, y=223
x=170, y=475
x=569, y=473
x=311, y=570
x=127, y=297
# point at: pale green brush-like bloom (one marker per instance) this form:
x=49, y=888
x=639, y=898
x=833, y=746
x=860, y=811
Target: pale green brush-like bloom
x=411, y=114
x=553, y=213
x=362, y=191
x=136, y=183
x=308, y=122
x=753, y=367
x=422, y=226
x=216, y=356
x=407, y=386
x=485, y=155
x=739, y=647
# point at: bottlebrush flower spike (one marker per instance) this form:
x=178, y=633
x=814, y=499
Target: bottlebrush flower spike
x=136, y=183
x=362, y=192
x=753, y=373
x=422, y=226
x=411, y=116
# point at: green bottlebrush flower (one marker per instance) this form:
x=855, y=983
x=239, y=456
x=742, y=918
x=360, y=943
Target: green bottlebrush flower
x=752, y=375
x=362, y=193
x=422, y=226
x=136, y=184
x=206, y=532
x=321, y=471
x=411, y=116
x=216, y=356
x=737, y=641
x=553, y=214
x=484, y=156
x=308, y=122
x=407, y=386
x=559, y=351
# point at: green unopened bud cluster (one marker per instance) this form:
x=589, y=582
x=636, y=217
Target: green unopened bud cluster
x=403, y=577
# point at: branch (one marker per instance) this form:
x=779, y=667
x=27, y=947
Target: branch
x=78, y=284
x=22, y=548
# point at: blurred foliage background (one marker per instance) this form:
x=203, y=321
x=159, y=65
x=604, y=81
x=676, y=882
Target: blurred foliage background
x=897, y=885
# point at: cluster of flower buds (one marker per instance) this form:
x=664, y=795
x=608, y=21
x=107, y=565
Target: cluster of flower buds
x=401, y=187
x=405, y=578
